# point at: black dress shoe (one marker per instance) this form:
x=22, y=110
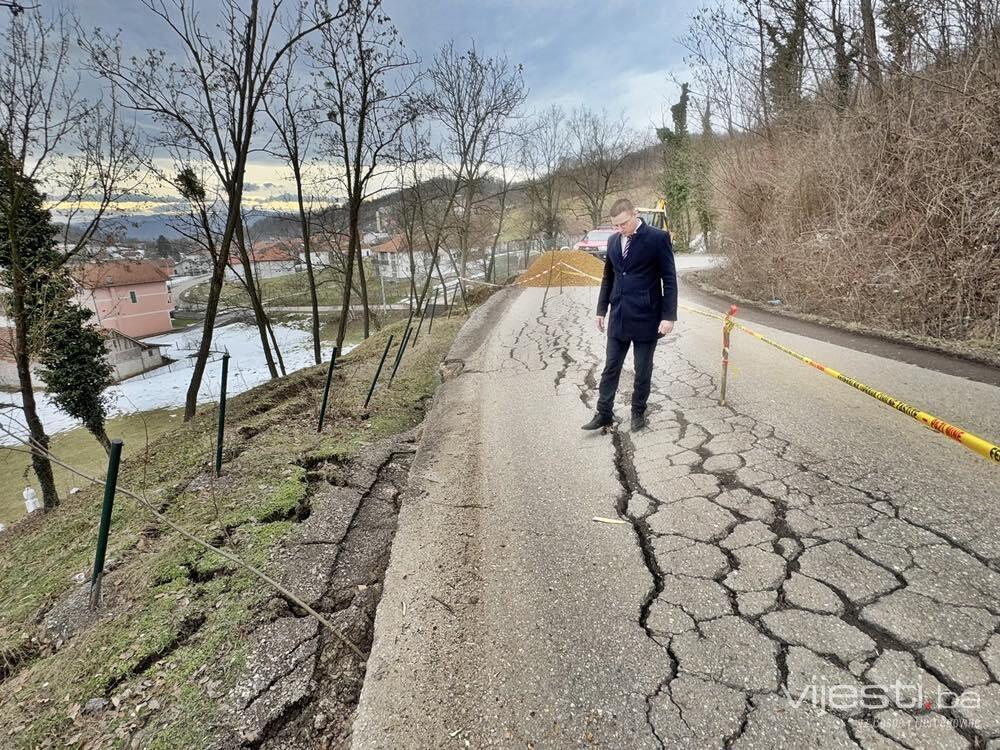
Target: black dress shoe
x=638, y=422
x=599, y=421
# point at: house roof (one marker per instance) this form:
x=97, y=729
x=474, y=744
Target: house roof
x=112, y=333
x=118, y=273
x=269, y=253
x=396, y=244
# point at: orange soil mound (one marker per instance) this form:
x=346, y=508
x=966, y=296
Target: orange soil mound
x=563, y=268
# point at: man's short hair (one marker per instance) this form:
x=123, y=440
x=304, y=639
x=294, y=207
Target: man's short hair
x=621, y=205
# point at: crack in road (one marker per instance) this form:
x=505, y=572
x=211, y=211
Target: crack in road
x=820, y=524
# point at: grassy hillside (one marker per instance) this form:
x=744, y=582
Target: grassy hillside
x=172, y=637
x=79, y=448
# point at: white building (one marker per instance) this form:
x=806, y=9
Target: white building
x=268, y=261
x=194, y=264
x=392, y=259
x=128, y=356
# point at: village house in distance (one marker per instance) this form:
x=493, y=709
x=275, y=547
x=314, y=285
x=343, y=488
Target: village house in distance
x=130, y=297
x=269, y=259
x=392, y=259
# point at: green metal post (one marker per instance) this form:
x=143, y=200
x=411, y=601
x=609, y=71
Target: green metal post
x=399, y=352
x=378, y=371
x=430, y=325
x=399, y=355
x=222, y=415
x=422, y=314
x=110, y=483
x=326, y=390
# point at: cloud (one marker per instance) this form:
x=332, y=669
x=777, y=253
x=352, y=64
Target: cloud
x=603, y=54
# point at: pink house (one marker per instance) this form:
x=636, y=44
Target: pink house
x=130, y=297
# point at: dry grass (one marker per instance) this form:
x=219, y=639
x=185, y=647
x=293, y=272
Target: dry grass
x=884, y=215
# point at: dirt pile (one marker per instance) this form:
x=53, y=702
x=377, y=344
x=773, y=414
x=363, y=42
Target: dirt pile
x=563, y=268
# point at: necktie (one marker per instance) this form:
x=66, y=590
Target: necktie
x=626, y=240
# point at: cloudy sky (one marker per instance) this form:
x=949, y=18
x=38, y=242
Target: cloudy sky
x=603, y=53
x=614, y=54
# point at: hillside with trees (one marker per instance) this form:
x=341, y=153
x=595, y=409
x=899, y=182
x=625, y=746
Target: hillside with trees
x=849, y=158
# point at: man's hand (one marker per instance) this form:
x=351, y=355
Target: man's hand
x=666, y=326
x=600, y=323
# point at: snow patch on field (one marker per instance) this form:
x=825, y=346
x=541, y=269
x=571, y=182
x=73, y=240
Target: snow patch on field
x=166, y=387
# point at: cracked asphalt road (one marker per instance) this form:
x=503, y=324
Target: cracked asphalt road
x=803, y=567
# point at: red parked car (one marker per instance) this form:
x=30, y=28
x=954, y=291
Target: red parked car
x=595, y=241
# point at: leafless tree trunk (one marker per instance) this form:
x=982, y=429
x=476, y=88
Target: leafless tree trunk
x=367, y=92
x=207, y=103
x=545, y=158
x=873, y=71
x=249, y=280
x=202, y=231
x=295, y=125
x=81, y=152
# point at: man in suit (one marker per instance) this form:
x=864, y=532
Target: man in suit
x=640, y=286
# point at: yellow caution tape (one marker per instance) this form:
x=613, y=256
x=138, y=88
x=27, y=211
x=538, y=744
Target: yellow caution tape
x=567, y=266
x=984, y=448
x=706, y=313
x=530, y=278
x=574, y=269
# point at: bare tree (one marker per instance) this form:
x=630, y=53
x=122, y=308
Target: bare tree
x=203, y=227
x=471, y=103
x=872, y=66
x=251, y=281
x=81, y=154
x=600, y=145
x=366, y=87
x=901, y=20
x=545, y=155
x=207, y=103
x=497, y=209
x=727, y=54
x=295, y=125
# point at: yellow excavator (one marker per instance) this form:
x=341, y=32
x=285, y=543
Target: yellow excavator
x=656, y=217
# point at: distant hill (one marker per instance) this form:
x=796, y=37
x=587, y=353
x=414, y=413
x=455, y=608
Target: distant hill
x=641, y=175
x=148, y=227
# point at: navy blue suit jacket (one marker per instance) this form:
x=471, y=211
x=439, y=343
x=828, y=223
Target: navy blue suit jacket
x=641, y=289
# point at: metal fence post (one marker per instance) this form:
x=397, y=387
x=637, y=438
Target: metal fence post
x=399, y=355
x=430, y=324
x=727, y=327
x=220, y=433
x=420, y=323
x=378, y=371
x=110, y=483
x=326, y=390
